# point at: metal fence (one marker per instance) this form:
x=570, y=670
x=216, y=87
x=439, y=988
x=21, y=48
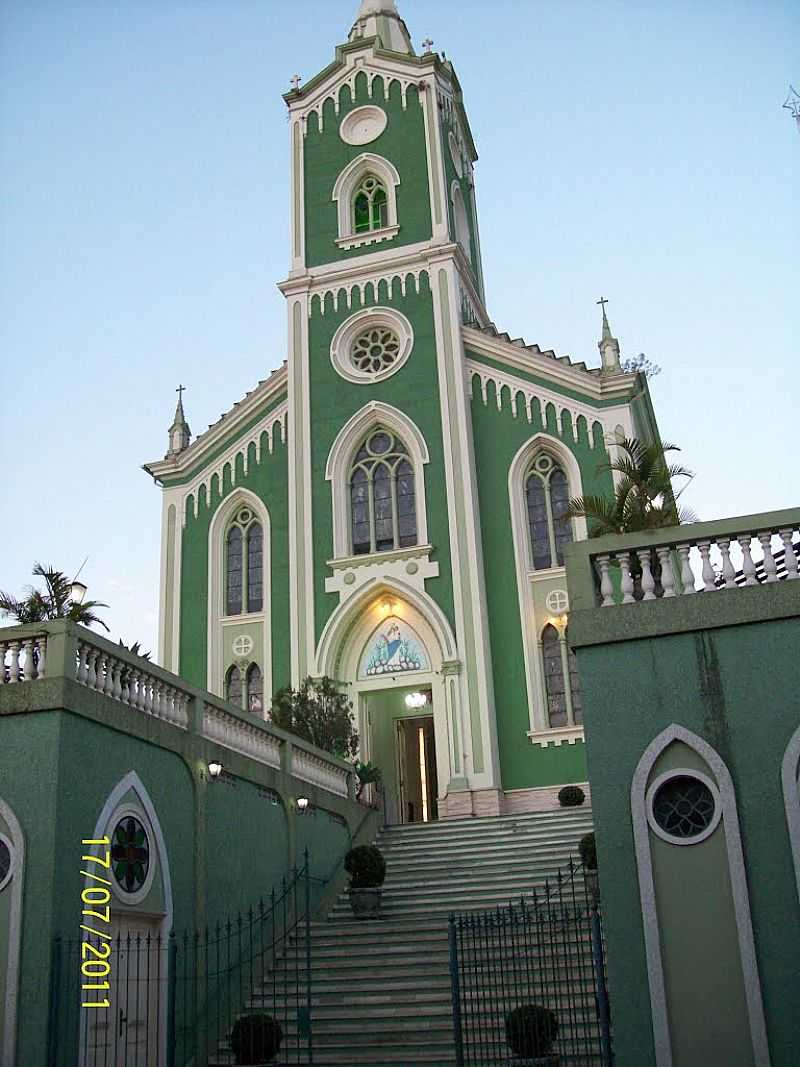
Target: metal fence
x=174, y=1000
x=546, y=951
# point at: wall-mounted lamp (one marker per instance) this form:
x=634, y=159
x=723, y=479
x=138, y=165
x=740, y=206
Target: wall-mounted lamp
x=215, y=768
x=416, y=700
x=302, y=805
x=77, y=592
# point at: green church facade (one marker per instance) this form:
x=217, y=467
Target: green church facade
x=390, y=344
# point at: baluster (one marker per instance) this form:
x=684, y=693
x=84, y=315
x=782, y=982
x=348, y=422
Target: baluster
x=167, y=702
x=667, y=577
x=29, y=672
x=789, y=554
x=148, y=695
x=627, y=579
x=709, y=577
x=3, y=651
x=108, y=688
x=41, y=647
x=728, y=573
x=83, y=666
x=770, y=569
x=141, y=696
x=130, y=687
x=648, y=581
x=606, y=588
x=13, y=670
x=91, y=664
x=157, y=687
x=116, y=671
x=687, y=575
x=748, y=567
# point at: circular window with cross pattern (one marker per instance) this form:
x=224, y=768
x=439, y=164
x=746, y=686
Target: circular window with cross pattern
x=683, y=807
x=130, y=854
x=371, y=345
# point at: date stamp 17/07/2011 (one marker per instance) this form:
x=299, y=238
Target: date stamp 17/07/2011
x=96, y=906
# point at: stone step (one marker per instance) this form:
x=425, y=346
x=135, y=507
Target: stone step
x=433, y=847
x=551, y=856
x=486, y=824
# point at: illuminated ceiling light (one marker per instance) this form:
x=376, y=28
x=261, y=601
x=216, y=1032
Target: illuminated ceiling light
x=302, y=805
x=215, y=768
x=416, y=700
x=387, y=606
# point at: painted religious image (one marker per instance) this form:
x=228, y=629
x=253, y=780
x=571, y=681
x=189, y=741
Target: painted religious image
x=392, y=649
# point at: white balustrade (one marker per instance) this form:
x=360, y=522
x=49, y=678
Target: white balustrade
x=242, y=736
x=309, y=767
x=22, y=660
x=687, y=566
x=120, y=680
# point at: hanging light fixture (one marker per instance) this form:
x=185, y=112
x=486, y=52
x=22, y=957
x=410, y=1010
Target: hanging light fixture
x=416, y=700
x=302, y=805
x=215, y=768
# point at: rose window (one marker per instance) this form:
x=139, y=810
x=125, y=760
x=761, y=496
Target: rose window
x=375, y=350
x=130, y=854
x=684, y=807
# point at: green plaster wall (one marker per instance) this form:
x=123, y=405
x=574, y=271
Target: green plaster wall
x=413, y=390
x=326, y=155
x=268, y=479
x=737, y=688
x=498, y=437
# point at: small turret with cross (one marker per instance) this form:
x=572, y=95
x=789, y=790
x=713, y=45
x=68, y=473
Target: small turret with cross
x=179, y=433
x=608, y=345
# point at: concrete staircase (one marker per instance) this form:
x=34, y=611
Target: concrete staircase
x=381, y=989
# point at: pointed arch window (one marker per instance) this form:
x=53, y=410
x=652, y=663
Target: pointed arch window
x=233, y=685
x=255, y=690
x=383, y=513
x=564, y=705
x=549, y=526
x=370, y=205
x=244, y=564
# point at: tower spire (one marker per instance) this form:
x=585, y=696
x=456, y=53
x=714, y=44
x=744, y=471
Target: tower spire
x=179, y=433
x=380, y=18
x=608, y=345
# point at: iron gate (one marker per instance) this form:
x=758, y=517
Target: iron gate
x=546, y=951
x=173, y=1001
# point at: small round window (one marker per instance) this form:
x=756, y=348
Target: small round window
x=375, y=350
x=130, y=854
x=683, y=807
x=5, y=862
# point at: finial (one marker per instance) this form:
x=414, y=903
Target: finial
x=792, y=104
x=427, y=44
x=608, y=345
x=294, y=81
x=179, y=433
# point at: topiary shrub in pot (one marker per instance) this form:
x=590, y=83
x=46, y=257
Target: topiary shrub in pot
x=530, y=1032
x=367, y=869
x=256, y=1039
x=571, y=796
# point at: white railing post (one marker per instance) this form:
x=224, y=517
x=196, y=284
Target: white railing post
x=770, y=569
x=709, y=577
x=667, y=577
x=687, y=576
x=728, y=573
x=606, y=587
x=748, y=567
x=648, y=581
x=789, y=554
x=626, y=584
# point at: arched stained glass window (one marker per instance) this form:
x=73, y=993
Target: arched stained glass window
x=233, y=686
x=244, y=564
x=547, y=498
x=255, y=567
x=564, y=707
x=255, y=690
x=370, y=208
x=383, y=513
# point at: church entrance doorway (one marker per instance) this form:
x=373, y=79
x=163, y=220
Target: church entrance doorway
x=416, y=769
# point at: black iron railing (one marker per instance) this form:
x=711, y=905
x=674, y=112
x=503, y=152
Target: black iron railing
x=173, y=1000
x=546, y=950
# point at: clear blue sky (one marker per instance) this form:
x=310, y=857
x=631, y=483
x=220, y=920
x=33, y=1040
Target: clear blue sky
x=634, y=150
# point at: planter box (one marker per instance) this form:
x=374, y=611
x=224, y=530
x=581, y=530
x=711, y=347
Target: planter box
x=366, y=903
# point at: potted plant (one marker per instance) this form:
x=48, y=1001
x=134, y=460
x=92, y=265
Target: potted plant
x=588, y=852
x=367, y=774
x=256, y=1039
x=367, y=869
x=531, y=1030
x=571, y=796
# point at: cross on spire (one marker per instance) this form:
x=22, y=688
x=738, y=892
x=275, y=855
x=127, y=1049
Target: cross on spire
x=427, y=44
x=180, y=391
x=602, y=301
x=294, y=81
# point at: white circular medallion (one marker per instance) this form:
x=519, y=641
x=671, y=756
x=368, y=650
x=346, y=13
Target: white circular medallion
x=363, y=125
x=242, y=645
x=371, y=345
x=557, y=602
x=455, y=154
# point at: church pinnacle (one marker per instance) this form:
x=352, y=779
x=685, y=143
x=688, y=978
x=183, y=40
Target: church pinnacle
x=608, y=345
x=179, y=433
x=380, y=18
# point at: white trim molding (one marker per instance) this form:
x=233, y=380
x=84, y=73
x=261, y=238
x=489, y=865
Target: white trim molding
x=739, y=892
x=460, y=220
x=16, y=880
x=344, y=189
x=790, y=778
x=353, y=327
x=337, y=469
x=526, y=576
x=217, y=619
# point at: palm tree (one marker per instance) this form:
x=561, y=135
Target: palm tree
x=644, y=497
x=54, y=603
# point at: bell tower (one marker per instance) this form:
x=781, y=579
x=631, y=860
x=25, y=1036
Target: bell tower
x=385, y=270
